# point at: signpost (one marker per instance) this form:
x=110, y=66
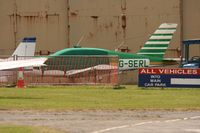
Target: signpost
x=169, y=77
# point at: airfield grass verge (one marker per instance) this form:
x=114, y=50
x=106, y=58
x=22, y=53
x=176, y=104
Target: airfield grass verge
x=9, y=128
x=98, y=98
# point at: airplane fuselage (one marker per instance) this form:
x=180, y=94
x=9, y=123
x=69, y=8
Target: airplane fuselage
x=126, y=61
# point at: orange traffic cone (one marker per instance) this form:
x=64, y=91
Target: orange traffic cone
x=20, y=79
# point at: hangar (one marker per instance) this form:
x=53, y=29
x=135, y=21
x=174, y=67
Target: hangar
x=110, y=24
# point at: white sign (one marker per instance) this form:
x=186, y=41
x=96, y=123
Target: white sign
x=126, y=64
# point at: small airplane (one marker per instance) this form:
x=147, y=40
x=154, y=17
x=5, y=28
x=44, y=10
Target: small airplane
x=151, y=54
x=19, y=58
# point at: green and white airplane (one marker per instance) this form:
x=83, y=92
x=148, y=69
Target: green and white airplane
x=151, y=54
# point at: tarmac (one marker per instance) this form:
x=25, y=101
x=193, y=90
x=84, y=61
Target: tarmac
x=101, y=121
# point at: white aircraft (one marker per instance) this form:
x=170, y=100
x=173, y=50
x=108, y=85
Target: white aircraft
x=150, y=55
x=26, y=49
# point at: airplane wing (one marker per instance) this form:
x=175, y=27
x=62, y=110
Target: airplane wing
x=40, y=72
x=6, y=65
x=98, y=67
x=172, y=59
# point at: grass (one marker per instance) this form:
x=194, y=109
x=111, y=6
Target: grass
x=25, y=129
x=98, y=98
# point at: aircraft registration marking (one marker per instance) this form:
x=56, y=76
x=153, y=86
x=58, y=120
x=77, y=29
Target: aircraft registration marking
x=127, y=64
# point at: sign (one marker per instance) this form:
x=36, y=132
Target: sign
x=126, y=64
x=169, y=77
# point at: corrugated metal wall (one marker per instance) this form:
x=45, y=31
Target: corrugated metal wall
x=108, y=23
x=191, y=23
x=45, y=19
x=98, y=23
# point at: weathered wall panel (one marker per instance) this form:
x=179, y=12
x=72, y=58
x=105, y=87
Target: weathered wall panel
x=6, y=27
x=94, y=20
x=191, y=23
x=108, y=23
x=45, y=19
x=103, y=23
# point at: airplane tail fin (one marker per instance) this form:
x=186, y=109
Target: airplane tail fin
x=159, y=41
x=26, y=47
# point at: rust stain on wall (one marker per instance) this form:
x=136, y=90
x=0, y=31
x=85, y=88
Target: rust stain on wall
x=106, y=22
x=123, y=19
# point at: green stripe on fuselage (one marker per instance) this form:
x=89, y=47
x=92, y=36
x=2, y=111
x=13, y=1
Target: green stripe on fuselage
x=167, y=29
x=152, y=50
x=162, y=34
x=154, y=57
x=159, y=40
x=156, y=45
